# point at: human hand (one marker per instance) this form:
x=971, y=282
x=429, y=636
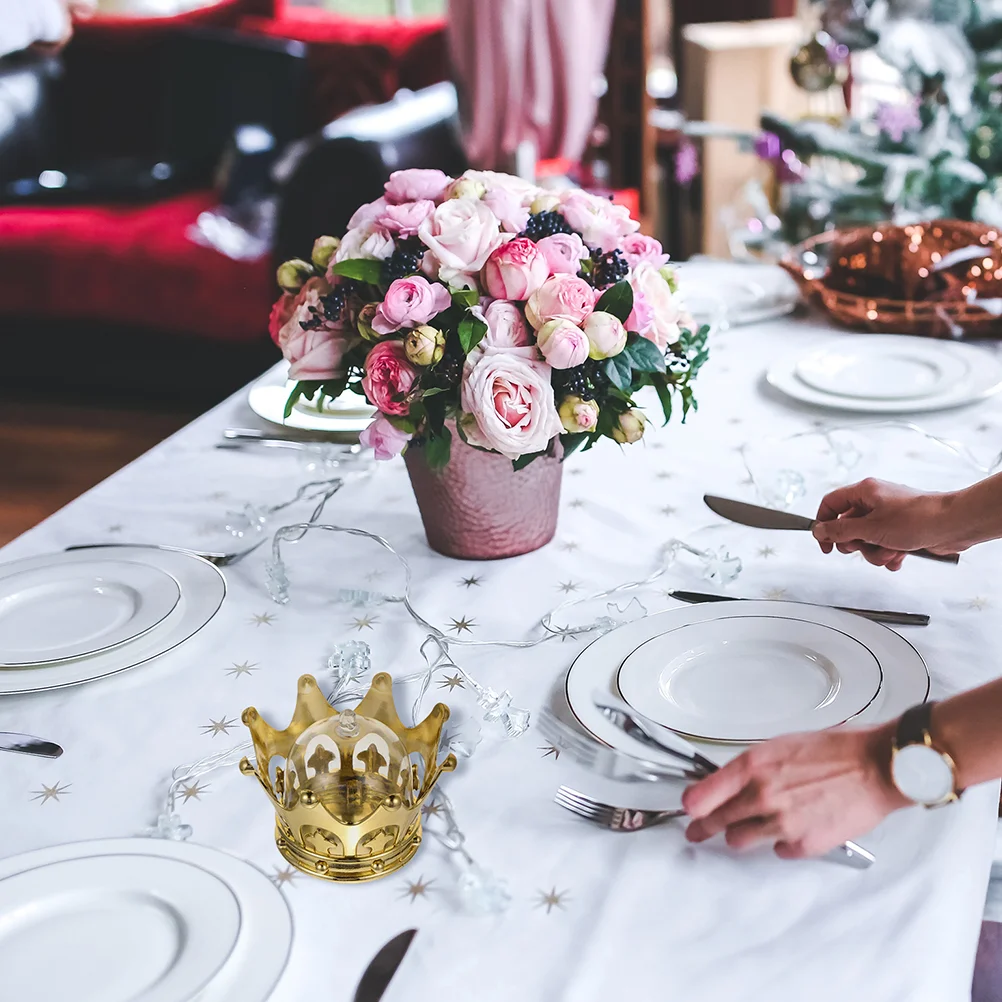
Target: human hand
x=884, y=522
x=805, y=793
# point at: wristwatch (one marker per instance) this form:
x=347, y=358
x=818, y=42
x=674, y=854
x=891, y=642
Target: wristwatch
x=923, y=772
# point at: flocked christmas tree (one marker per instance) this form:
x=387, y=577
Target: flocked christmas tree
x=934, y=151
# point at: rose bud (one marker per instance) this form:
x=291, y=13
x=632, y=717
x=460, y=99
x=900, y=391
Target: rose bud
x=467, y=188
x=544, y=203
x=323, y=251
x=292, y=274
x=577, y=415
x=424, y=345
x=364, y=321
x=670, y=275
x=630, y=428
x=606, y=334
x=563, y=345
x=515, y=270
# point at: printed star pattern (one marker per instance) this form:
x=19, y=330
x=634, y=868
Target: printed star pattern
x=365, y=622
x=550, y=750
x=263, y=619
x=473, y=581
x=418, y=889
x=222, y=726
x=978, y=603
x=47, y=793
x=193, y=791
x=451, y=682
x=774, y=594
x=568, y=586
x=552, y=899
x=766, y=551
x=463, y=625
x=247, y=668
x=284, y=876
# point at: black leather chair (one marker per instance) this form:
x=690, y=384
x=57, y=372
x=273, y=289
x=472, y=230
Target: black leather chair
x=330, y=176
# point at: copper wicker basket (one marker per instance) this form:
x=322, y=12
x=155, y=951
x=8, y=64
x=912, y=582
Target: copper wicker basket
x=955, y=318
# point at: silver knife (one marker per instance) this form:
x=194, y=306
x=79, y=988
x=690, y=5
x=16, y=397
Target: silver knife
x=849, y=853
x=769, y=518
x=382, y=967
x=28, y=745
x=877, y=615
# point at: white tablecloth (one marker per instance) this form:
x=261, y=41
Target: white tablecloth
x=594, y=915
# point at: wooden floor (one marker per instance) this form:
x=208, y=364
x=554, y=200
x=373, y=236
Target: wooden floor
x=48, y=456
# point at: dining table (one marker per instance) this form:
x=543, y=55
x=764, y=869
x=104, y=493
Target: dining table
x=588, y=914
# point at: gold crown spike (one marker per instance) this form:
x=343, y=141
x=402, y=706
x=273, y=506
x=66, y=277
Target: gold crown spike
x=347, y=787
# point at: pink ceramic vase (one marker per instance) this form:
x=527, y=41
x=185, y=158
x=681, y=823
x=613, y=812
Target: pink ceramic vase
x=478, y=508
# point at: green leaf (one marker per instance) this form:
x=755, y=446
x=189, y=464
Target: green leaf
x=438, y=449
x=618, y=301
x=619, y=369
x=664, y=395
x=433, y=391
x=359, y=268
x=465, y=297
x=404, y=424
x=523, y=461
x=646, y=355
x=572, y=443
x=471, y=332
x=305, y=388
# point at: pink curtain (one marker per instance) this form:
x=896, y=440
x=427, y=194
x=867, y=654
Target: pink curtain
x=526, y=70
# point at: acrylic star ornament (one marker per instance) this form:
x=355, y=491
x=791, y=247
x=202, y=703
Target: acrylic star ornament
x=348, y=787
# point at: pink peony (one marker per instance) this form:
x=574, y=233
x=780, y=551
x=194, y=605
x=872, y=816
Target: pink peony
x=515, y=270
x=404, y=219
x=656, y=311
x=408, y=303
x=510, y=400
x=368, y=241
x=606, y=335
x=416, y=184
x=508, y=207
x=563, y=345
x=563, y=252
x=366, y=215
x=388, y=377
x=562, y=297
x=506, y=327
x=600, y=222
x=462, y=233
x=280, y=313
x=637, y=247
x=384, y=438
x=313, y=354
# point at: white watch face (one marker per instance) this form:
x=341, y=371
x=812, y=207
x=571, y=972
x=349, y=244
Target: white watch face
x=922, y=774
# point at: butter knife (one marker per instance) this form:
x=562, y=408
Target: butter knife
x=382, y=967
x=28, y=745
x=877, y=615
x=770, y=518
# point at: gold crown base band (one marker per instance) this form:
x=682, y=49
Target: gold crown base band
x=350, y=869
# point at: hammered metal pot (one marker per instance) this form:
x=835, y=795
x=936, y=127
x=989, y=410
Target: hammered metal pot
x=478, y=508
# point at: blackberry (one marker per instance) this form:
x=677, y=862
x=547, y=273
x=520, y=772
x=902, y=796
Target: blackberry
x=404, y=261
x=595, y=370
x=545, y=224
x=572, y=382
x=448, y=371
x=609, y=269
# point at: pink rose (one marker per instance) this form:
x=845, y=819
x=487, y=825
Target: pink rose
x=515, y=270
x=563, y=345
x=416, y=184
x=562, y=297
x=316, y=351
x=508, y=395
x=384, y=438
x=461, y=233
x=506, y=327
x=368, y=241
x=508, y=207
x=656, y=311
x=404, y=219
x=410, y=302
x=280, y=314
x=637, y=247
x=606, y=335
x=388, y=377
x=365, y=215
x=563, y=253
x=600, y=222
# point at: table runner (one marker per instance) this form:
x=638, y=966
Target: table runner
x=593, y=914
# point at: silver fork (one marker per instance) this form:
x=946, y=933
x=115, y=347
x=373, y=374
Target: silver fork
x=617, y=819
x=219, y=559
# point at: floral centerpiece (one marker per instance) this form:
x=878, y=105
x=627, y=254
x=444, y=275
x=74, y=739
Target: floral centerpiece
x=519, y=321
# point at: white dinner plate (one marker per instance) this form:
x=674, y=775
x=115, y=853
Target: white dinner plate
x=884, y=368
x=723, y=292
x=248, y=972
x=982, y=379
x=750, y=678
x=905, y=677
x=114, y=929
x=349, y=413
x=66, y=610
x=202, y=586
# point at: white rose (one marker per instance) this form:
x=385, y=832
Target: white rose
x=462, y=233
x=663, y=309
x=365, y=241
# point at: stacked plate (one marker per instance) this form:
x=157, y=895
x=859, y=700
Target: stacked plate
x=70, y=617
x=888, y=374
x=739, y=672
x=729, y=294
x=348, y=414
x=139, y=920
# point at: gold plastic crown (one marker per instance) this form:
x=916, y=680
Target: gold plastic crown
x=347, y=787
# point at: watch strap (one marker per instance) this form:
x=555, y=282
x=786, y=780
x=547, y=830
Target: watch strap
x=914, y=726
